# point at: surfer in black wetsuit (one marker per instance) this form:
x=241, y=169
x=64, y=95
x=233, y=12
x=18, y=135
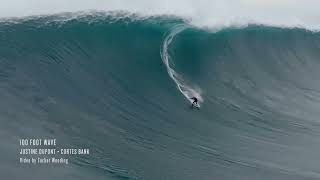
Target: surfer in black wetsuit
x=195, y=101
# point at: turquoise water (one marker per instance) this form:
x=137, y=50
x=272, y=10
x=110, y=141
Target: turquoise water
x=100, y=81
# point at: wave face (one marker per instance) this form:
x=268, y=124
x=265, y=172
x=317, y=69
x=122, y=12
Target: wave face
x=119, y=84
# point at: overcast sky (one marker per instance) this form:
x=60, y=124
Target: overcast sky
x=304, y=13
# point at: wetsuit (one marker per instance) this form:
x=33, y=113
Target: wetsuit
x=195, y=101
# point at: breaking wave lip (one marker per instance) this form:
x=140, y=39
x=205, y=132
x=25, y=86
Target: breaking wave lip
x=111, y=16
x=187, y=91
x=115, y=15
x=93, y=16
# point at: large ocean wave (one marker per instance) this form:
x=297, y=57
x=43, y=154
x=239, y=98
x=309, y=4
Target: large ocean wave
x=119, y=83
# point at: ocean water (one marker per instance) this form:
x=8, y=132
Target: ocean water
x=120, y=84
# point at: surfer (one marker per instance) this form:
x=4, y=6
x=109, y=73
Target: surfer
x=195, y=101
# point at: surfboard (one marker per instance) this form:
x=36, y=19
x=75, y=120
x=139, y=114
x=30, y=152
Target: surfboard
x=197, y=106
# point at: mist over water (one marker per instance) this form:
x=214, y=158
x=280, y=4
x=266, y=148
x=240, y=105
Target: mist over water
x=204, y=13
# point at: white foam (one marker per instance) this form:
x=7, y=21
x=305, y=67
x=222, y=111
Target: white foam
x=187, y=90
x=209, y=13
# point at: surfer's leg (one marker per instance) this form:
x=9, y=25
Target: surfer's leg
x=194, y=104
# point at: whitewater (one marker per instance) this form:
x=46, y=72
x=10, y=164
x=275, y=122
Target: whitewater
x=213, y=14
